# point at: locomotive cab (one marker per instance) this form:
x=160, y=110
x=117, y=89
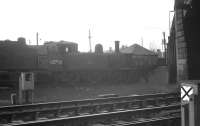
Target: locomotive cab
x=61, y=47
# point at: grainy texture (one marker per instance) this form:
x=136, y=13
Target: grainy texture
x=156, y=81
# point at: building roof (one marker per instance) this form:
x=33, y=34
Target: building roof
x=59, y=42
x=137, y=50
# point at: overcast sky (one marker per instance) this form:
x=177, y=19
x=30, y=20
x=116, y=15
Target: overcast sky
x=125, y=20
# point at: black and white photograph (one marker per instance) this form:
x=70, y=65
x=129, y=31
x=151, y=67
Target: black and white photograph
x=99, y=63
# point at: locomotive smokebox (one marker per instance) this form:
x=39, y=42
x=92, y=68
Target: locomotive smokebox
x=117, y=46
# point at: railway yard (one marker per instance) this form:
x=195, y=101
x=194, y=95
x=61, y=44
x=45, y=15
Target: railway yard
x=158, y=83
x=54, y=84
x=150, y=100
x=127, y=110
x=136, y=104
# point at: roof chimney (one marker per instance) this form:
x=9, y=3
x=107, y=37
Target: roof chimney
x=117, y=46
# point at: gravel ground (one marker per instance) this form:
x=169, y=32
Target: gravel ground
x=157, y=82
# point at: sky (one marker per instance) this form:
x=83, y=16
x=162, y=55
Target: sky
x=129, y=21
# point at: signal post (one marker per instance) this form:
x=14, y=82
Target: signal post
x=190, y=103
x=26, y=88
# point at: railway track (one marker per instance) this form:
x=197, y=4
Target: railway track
x=41, y=111
x=156, y=116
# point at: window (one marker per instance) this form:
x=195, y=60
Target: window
x=28, y=76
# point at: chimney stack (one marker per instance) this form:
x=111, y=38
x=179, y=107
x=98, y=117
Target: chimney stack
x=117, y=46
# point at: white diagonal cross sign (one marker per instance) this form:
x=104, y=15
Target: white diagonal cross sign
x=186, y=91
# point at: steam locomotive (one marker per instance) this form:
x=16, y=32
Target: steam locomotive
x=62, y=62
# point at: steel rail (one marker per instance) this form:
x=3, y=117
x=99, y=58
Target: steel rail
x=36, y=106
x=76, y=109
x=111, y=118
x=163, y=121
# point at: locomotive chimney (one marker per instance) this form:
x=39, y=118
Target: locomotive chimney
x=116, y=46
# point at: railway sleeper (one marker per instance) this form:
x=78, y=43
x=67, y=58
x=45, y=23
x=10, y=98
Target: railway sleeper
x=91, y=108
x=127, y=116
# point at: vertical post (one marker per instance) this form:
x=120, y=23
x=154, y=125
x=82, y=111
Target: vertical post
x=37, y=38
x=170, y=21
x=117, y=46
x=184, y=115
x=165, y=48
x=13, y=99
x=20, y=91
x=190, y=103
x=90, y=41
x=26, y=87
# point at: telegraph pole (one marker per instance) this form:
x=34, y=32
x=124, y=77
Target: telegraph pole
x=90, y=41
x=165, y=48
x=37, y=38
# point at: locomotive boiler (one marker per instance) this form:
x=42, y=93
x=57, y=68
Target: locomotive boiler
x=62, y=62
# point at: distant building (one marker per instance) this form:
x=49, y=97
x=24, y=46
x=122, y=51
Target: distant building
x=137, y=50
